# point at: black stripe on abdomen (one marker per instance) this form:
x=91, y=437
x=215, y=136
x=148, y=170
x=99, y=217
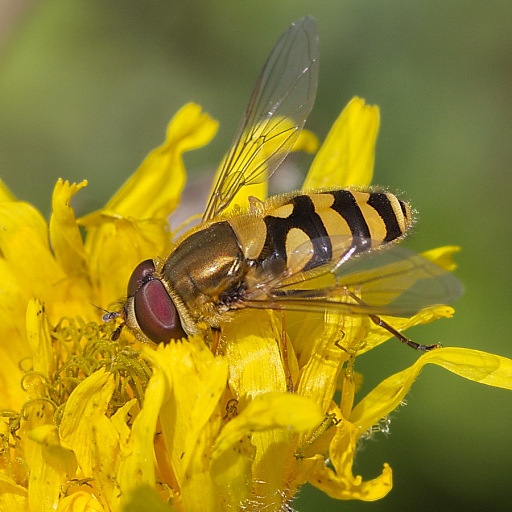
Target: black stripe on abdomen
x=305, y=218
x=346, y=205
x=382, y=205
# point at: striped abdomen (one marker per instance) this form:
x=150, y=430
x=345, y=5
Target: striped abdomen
x=214, y=268
x=309, y=230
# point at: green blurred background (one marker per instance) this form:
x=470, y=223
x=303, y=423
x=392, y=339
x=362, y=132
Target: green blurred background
x=86, y=90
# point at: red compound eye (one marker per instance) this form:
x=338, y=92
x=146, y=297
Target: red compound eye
x=154, y=311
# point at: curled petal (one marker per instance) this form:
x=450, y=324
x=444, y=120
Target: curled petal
x=340, y=483
x=482, y=367
x=474, y=365
x=67, y=242
x=443, y=256
x=153, y=191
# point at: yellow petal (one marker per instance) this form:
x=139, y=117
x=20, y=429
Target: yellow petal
x=37, y=442
x=39, y=349
x=116, y=248
x=49, y=469
x=270, y=411
x=347, y=156
x=134, y=222
x=475, y=365
x=258, y=381
x=340, y=483
x=13, y=301
x=122, y=418
x=24, y=246
x=14, y=346
x=307, y=142
x=254, y=336
x=84, y=409
x=273, y=421
x=138, y=460
x=255, y=367
x=320, y=374
x=443, y=256
x=80, y=501
x=231, y=472
x=13, y=497
x=39, y=340
x=191, y=417
x=478, y=366
x=28, y=256
x=104, y=447
x=67, y=242
x=133, y=226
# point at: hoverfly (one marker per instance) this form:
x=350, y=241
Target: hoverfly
x=298, y=251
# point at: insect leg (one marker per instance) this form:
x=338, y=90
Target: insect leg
x=329, y=421
x=284, y=354
x=377, y=320
x=417, y=346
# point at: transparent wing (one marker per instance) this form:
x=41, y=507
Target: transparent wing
x=280, y=103
x=391, y=280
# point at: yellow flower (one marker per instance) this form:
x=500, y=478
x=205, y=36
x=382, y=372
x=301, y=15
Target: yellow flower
x=101, y=425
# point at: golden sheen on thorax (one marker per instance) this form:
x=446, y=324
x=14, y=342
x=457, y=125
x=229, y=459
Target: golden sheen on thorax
x=205, y=267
